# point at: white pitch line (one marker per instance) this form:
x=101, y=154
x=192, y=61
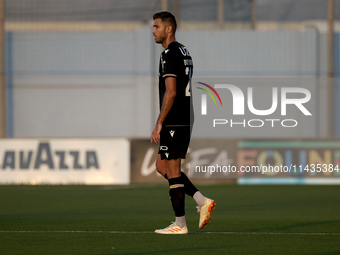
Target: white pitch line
x=268, y=233
x=151, y=232
x=76, y=231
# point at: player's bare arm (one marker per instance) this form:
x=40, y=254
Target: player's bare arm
x=168, y=100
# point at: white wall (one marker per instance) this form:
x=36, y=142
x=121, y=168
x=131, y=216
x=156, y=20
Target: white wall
x=104, y=84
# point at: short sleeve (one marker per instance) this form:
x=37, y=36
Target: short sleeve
x=169, y=65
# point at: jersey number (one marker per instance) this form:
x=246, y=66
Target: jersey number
x=188, y=71
x=187, y=90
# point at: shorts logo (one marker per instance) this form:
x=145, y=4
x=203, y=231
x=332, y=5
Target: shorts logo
x=172, y=132
x=163, y=148
x=166, y=154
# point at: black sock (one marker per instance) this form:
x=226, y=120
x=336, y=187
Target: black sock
x=177, y=195
x=189, y=188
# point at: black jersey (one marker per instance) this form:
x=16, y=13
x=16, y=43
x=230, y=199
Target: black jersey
x=176, y=62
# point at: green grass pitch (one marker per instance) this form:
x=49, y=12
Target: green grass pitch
x=121, y=220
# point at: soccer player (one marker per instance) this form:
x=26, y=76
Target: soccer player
x=173, y=128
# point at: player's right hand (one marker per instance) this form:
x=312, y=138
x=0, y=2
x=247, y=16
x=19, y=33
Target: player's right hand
x=155, y=133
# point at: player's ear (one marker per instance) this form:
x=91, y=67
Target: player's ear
x=169, y=29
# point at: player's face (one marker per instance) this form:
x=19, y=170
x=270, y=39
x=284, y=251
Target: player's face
x=158, y=31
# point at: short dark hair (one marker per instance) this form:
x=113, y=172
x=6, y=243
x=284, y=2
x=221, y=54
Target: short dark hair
x=167, y=17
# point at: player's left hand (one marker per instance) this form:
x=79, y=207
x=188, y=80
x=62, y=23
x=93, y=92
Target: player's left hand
x=155, y=133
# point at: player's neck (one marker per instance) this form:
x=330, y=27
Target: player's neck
x=169, y=40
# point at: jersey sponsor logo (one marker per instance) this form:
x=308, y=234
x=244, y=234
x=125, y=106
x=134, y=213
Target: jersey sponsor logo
x=163, y=148
x=172, y=133
x=162, y=63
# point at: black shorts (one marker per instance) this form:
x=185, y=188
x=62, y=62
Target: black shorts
x=174, y=142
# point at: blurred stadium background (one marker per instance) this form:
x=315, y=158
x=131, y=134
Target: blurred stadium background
x=82, y=70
